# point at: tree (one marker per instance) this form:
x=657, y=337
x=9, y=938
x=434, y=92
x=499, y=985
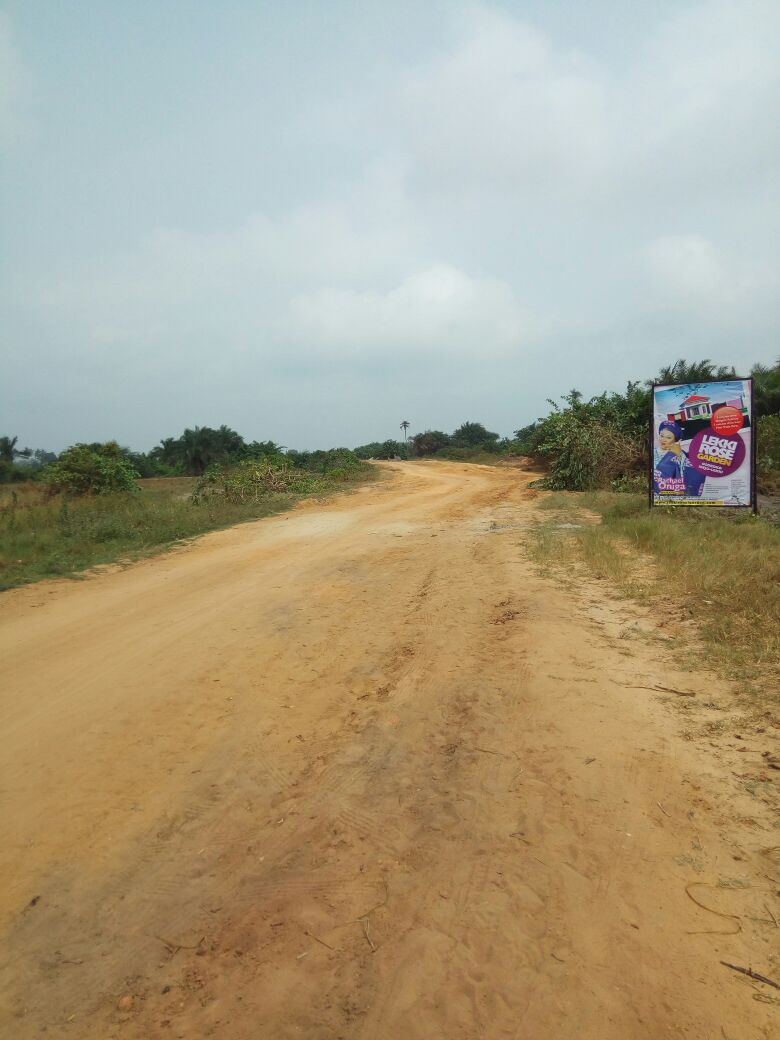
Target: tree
x=384, y=450
x=473, y=435
x=683, y=371
x=195, y=450
x=766, y=389
x=8, y=448
x=430, y=442
x=405, y=427
x=261, y=449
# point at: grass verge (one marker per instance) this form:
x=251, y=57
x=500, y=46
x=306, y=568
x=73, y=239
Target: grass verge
x=43, y=537
x=722, y=571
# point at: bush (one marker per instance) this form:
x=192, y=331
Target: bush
x=768, y=455
x=584, y=453
x=253, y=480
x=87, y=469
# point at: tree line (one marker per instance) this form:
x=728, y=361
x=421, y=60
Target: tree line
x=468, y=437
x=597, y=443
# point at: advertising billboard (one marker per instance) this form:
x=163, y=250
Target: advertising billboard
x=702, y=439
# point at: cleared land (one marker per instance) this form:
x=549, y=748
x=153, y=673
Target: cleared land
x=362, y=771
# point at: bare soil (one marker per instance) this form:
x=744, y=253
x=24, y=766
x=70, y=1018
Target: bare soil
x=362, y=772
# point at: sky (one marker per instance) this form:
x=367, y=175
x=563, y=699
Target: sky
x=313, y=220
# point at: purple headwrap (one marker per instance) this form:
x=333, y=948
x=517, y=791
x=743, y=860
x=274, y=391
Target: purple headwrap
x=673, y=427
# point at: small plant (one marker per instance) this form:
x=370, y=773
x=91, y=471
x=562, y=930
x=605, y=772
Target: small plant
x=629, y=483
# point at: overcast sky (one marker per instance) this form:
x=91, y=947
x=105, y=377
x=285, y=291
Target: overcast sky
x=311, y=220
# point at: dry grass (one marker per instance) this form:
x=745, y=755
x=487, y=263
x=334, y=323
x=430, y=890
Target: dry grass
x=44, y=537
x=724, y=571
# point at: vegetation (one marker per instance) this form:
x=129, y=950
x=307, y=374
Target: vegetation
x=86, y=506
x=255, y=479
x=195, y=450
x=768, y=455
x=721, y=572
x=385, y=450
x=86, y=469
x=468, y=438
x=73, y=520
x=602, y=443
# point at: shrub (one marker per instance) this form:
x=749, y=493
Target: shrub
x=584, y=453
x=87, y=469
x=768, y=454
x=253, y=480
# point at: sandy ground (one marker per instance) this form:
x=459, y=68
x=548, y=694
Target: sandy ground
x=361, y=772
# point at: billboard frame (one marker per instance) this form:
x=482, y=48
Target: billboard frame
x=753, y=505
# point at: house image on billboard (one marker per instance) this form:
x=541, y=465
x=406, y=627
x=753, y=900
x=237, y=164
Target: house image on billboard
x=699, y=406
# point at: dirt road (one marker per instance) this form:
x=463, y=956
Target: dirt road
x=360, y=772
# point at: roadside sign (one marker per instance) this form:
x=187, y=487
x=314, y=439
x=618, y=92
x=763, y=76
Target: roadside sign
x=703, y=446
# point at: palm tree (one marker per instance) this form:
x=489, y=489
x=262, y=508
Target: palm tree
x=766, y=388
x=405, y=427
x=8, y=448
x=683, y=371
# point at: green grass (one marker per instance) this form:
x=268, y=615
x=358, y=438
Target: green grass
x=723, y=571
x=44, y=537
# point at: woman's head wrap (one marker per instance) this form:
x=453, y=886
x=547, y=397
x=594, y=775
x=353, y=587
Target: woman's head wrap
x=674, y=428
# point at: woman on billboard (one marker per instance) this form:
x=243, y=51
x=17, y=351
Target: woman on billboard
x=672, y=465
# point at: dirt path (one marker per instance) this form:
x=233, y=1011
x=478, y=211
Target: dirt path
x=361, y=772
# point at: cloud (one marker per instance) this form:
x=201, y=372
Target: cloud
x=504, y=109
x=174, y=277
x=516, y=207
x=690, y=274
x=440, y=310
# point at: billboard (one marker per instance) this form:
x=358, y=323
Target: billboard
x=702, y=439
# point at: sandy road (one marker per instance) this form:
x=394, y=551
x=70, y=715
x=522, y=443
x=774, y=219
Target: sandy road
x=361, y=772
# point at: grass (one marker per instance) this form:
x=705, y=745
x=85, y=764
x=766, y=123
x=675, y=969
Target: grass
x=44, y=537
x=723, y=571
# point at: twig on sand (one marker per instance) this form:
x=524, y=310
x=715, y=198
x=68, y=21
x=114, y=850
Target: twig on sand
x=174, y=947
x=366, y=926
x=663, y=810
x=520, y=836
x=316, y=938
x=718, y=913
x=655, y=689
x=487, y=751
x=751, y=974
x=365, y=919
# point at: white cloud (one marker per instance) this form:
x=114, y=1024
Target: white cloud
x=690, y=274
x=504, y=108
x=584, y=207
x=361, y=237
x=440, y=310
